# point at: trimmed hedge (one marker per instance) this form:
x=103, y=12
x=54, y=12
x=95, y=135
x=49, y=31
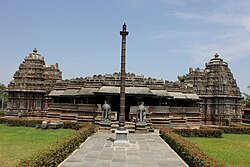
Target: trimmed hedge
x=77, y=125
x=56, y=153
x=34, y=122
x=235, y=130
x=189, y=152
x=20, y=122
x=199, y=132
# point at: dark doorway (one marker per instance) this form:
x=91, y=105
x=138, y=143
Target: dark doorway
x=129, y=101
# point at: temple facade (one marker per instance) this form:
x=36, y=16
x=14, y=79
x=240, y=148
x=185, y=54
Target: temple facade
x=207, y=96
x=28, y=92
x=166, y=103
x=218, y=91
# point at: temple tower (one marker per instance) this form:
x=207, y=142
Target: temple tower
x=32, y=82
x=218, y=90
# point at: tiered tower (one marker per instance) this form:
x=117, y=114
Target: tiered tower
x=218, y=90
x=31, y=85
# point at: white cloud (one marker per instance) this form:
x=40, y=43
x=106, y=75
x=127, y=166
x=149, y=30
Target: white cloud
x=200, y=46
x=220, y=18
x=174, y=2
x=230, y=47
x=230, y=37
x=168, y=34
x=179, y=2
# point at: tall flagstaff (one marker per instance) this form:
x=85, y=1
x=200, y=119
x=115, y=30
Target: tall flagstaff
x=123, y=33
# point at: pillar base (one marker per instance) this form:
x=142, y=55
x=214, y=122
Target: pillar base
x=121, y=136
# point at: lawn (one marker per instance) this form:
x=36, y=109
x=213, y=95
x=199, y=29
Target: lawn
x=232, y=149
x=20, y=142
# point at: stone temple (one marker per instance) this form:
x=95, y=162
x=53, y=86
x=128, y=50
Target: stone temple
x=28, y=92
x=207, y=96
x=220, y=96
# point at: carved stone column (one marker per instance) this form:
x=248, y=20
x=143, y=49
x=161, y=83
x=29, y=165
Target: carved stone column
x=121, y=132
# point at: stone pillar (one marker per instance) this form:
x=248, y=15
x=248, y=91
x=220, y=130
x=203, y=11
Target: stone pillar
x=123, y=33
x=121, y=133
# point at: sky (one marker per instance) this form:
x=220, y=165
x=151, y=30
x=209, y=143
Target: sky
x=166, y=37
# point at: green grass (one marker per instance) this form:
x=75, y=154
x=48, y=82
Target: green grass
x=21, y=142
x=232, y=149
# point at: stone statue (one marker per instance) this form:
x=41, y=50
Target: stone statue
x=141, y=113
x=106, y=111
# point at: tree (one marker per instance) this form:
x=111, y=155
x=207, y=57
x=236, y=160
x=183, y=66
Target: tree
x=246, y=100
x=3, y=96
x=181, y=78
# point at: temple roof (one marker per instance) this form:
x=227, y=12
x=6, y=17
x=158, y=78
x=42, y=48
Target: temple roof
x=114, y=90
x=87, y=91
x=161, y=93
x=35, y=56
x=192, y=96
x=216, y=61
x=128, y=90
x=70, y=92
x=177, y=95
x=216, y=80
x=56, y=93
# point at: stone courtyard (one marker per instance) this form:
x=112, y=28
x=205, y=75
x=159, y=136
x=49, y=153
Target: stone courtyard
x=144, y=150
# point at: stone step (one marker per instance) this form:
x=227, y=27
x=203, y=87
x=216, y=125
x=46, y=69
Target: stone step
x=141, y=131
x=130, y=130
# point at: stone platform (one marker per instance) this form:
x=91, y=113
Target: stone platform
x=145, y=150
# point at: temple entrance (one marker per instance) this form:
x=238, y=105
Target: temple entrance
x=129, y=101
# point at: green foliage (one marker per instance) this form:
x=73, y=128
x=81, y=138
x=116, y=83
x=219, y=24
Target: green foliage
x=3, y=96
x=232, y=150
x=246, y=100
x=55, y=154
x=181, y=78
x=20, y=122
x=189, y=152
x=17, y=143
x=77, y=126
x=34, y=122
x=199, y=132
x=235, y=130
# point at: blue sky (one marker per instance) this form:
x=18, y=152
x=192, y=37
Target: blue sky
x=166, y=37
